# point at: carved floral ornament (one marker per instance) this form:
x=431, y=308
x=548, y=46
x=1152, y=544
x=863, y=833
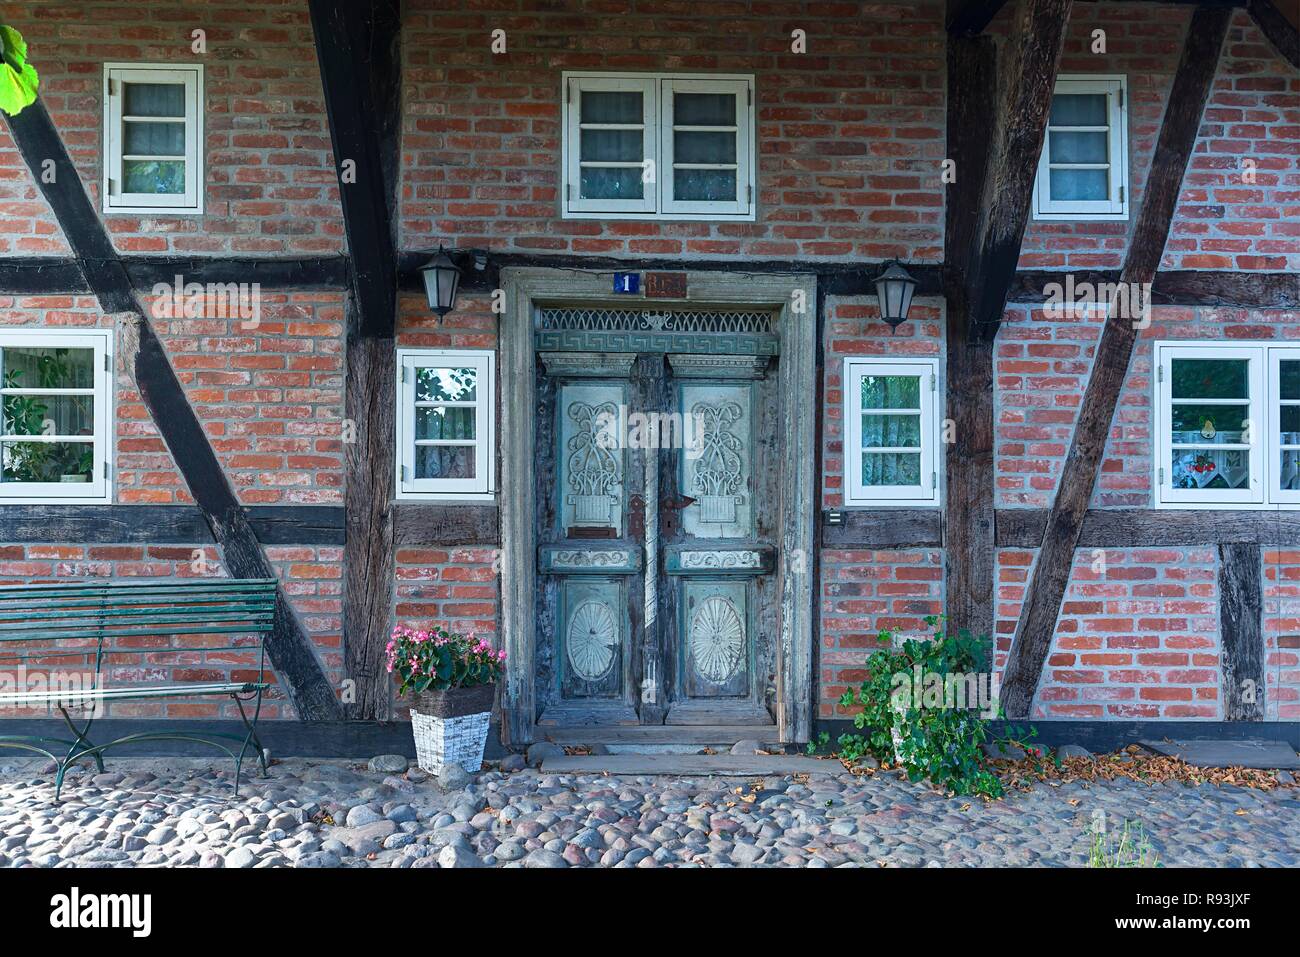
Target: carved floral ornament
x=594, y=468
x=716, y=639
x=591, y=639
x=718, y=475
x=721, y=559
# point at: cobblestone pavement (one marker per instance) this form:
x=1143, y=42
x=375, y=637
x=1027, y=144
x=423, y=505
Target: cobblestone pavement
x=180, y=812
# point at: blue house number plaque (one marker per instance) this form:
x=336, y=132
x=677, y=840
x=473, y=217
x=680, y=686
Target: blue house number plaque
x=627, y=283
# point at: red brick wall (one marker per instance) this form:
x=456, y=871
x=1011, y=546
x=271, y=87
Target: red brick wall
x=1042, y=366
x=270, y=188
x=1281, y=635
x=449, y=587
x=850, y=134
x=1223, y=220
x=865, y=592
x=270, y=397
x=1138, y=635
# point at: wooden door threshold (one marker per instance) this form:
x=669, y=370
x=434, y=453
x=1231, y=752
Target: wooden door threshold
x=722, y=765
x=680, y=734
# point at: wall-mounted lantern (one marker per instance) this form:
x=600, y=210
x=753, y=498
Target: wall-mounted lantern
x=441, y=281
x=894, y=288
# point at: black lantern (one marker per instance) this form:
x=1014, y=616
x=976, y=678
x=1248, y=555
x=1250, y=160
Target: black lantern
x=441, y=280
x=894, y=288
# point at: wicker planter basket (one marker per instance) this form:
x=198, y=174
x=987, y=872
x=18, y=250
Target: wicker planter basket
x=451, y=727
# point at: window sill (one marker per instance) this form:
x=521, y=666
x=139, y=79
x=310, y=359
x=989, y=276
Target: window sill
x=153, y=211
x=53, y=500
x=447, y=498
x=1081, y=217
x=617, y=215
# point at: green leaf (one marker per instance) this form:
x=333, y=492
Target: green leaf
x=18, y=79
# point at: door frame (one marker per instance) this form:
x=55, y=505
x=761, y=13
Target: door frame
x=795, y=296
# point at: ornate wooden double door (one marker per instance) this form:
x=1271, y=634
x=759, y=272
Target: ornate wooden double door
x=658, y=494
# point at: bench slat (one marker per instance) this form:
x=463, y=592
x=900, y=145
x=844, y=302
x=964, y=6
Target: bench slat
x=263, y=628
x=90, y=605
x=162, y=585
x=157, y=691
x=113, y=617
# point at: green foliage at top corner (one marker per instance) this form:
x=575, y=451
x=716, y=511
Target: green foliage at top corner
x=18, y=78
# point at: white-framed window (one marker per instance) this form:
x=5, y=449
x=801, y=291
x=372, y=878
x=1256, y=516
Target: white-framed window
x=891, y=431
x=153, y=138
x=1284, y=425
x=55, y=412
x=1211, y=425
x=446, y=417
x=1083, y=169
x=657, y=146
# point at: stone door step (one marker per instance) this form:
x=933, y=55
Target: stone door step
x=722, y=765
x=1230, y=754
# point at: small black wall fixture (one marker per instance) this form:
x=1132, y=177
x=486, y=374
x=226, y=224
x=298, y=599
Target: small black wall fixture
x=441, y=282
x=894, y=288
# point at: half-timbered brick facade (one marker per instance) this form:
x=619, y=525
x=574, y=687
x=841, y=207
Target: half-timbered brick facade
x=336, y=161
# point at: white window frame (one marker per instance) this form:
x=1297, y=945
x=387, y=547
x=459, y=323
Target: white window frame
x=1283, y=498
x=742, y=205
x=115, y=200
x=98, y=491
x=927, y=492
x=482, y=487
x=1115, y=208
x=1166, y=495
x=575, y=86
x=657, y=91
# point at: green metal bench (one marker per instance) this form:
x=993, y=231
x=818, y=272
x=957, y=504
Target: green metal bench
x=159, y=624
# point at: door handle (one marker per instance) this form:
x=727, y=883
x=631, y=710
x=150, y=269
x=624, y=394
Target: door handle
x=676, y=504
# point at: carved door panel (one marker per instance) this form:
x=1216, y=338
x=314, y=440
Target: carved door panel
x=655, y=526
x=719, y=545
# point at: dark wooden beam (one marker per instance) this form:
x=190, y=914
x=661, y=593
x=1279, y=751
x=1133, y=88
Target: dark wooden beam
x=1241, y=632
x=968, y=462
x=41, y=276
x=1178, y=287
x=45, y=275
x=429, y=524
x=358, y=47
x=270, y=272
x=1147, y=527
x=355, y=39
x=1187, y=98
x=289, y=646
x=883, y=528
x=968, y=18
x=1281, y=32
x=163, y=524
x=1024, y=527
x=1008, y=180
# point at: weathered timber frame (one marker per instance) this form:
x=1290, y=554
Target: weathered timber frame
x=45, y=275
x=288, y=644
x=1051, y=573
x=1277, y=29
x=987, y=210
x=524, y=289
x=358, y=46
